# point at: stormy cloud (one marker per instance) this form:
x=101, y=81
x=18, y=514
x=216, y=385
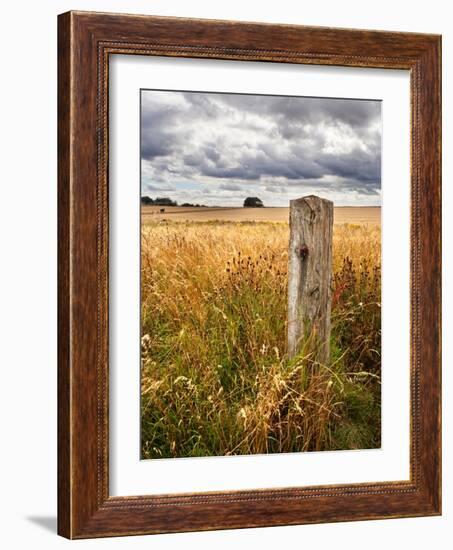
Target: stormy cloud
x=217, y=149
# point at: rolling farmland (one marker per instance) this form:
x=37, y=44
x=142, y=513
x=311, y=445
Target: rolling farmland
x=347, y=214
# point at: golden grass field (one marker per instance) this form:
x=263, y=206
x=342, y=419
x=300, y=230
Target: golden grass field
x=345, y=214
x=215, y=376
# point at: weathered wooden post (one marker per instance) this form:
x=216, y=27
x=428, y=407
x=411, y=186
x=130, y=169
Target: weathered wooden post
x=309, y=274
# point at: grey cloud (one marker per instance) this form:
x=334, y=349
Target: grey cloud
x=355, y=113
x=230, y=187
x=194, y=159
x=156, y=145
x=202, y=103
x=150, y=187
x=285, y=142
x=357, y=165
x=212, y=154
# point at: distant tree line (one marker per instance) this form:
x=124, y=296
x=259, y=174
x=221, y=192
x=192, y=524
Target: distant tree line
x=250, y=202
x=159, y=201
x=165, y=201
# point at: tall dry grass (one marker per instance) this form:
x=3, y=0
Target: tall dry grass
x=215, y=376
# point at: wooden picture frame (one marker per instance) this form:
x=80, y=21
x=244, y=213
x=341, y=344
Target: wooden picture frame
x=85, y=41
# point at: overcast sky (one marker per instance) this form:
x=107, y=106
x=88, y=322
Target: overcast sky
x=218, y=149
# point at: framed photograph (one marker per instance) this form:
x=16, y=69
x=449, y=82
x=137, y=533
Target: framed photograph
x=249, y=275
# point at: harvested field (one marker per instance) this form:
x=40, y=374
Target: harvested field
x=370, y=215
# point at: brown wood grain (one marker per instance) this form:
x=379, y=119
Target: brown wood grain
x=85, y=42
x=64, y=368
x=310, y=274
